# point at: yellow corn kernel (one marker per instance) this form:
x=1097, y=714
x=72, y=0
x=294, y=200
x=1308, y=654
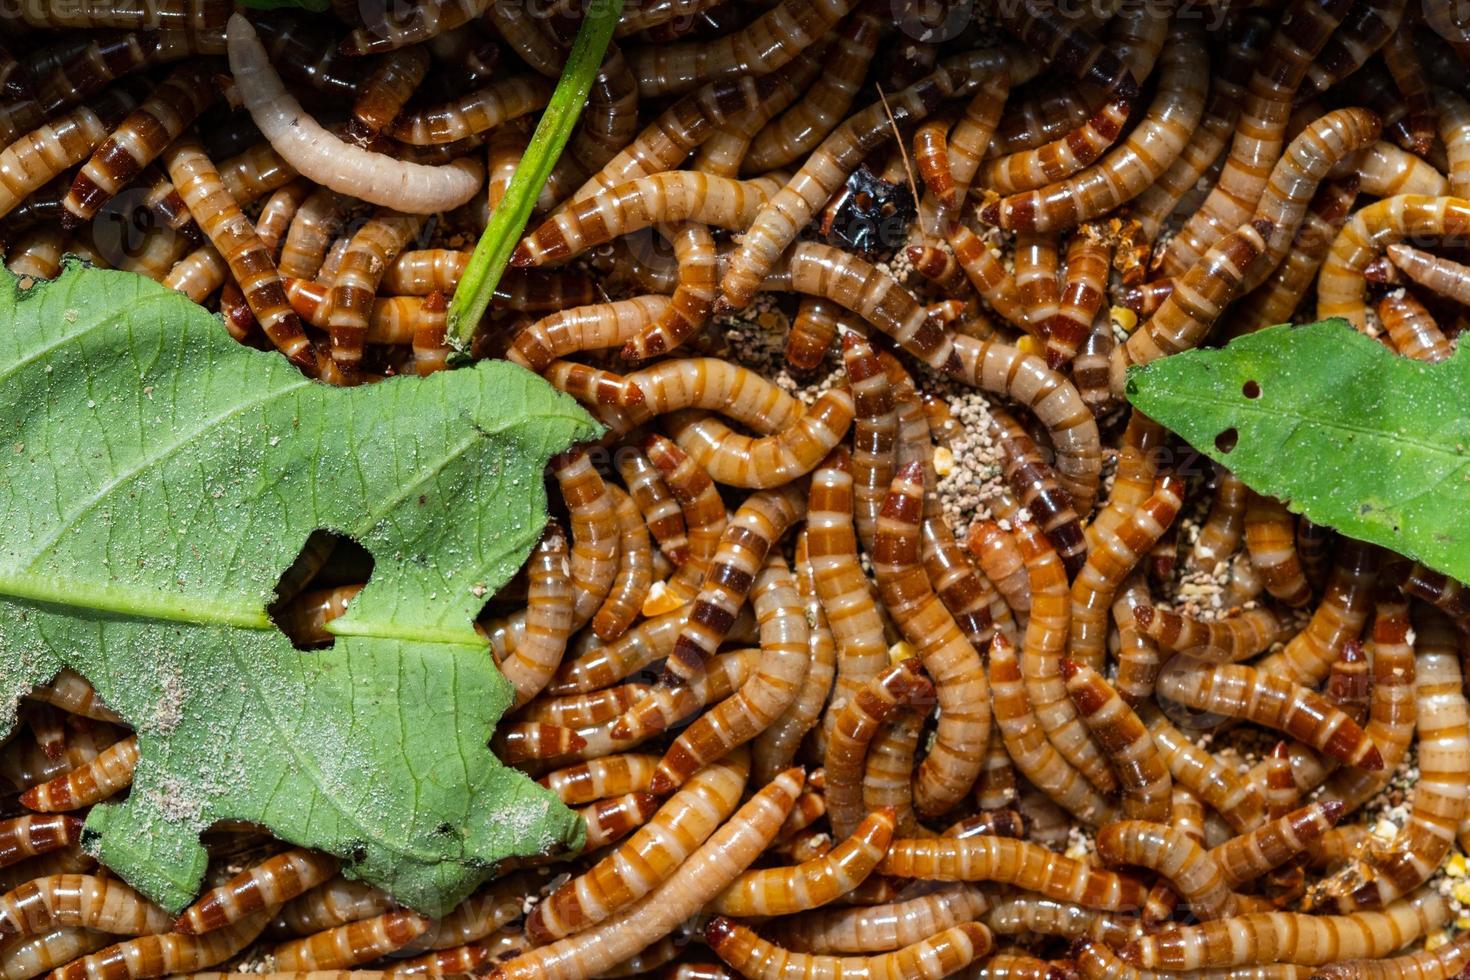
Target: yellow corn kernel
x=1463, y=922
x=901, y=651
x=943, y=461
x=1461, y=892
x=1030, y=345
x=1455, y=866
x=1124, y=317
x=1436, y=939
x=661, y=599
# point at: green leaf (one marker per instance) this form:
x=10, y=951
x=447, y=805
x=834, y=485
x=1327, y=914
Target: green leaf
x=508, y=220
x=1349, y=433
x=159, y=477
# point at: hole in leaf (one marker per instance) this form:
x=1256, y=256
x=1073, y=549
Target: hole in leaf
x=317, y=587
x=1226, y=441
x=1251, y=389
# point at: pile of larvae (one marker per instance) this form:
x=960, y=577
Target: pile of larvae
x=821, y=719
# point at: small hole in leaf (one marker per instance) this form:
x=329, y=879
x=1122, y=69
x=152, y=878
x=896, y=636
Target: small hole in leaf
x=1225, y=441
x=1251, y=389
x=317, y=587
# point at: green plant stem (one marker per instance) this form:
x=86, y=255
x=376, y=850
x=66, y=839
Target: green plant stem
x=508, y=221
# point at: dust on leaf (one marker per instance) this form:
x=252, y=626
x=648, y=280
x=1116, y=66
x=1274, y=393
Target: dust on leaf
x=146, y=528
x=1346, y=431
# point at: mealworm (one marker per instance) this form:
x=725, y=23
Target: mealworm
x=660, y=510
x=634, y=577
x=311, y=232
x=723, y=152
x=1035, y=914
x=1444, y=961
x=109, y=772
x=235, y=237
x=79, y=901
x=327, y=160
x=1273, y=937
x=1061, y=158
x=820, y=270
x=1275, y=702
x=384, y=93
x=1088, y=259
x=368, y=253
x=346, y=946
x=856, y=722
x=267, y=885
x=1216, y=126
x=1091, y=373
x=419, y=22
x=937, y=956
x=880, y=928
x=740, y=460
x=971, y=599
x=612, y=819
x=1197, y=301
x=1391, y=708
x=473, y=113
x=779, y=742
x=1341, y=283
x=335, y=903
x=954, y=761
x=1199, y=771
x=785, y=891
x=1411, y=328
x=523, y=741
x=1366, y=29
x=1000, y=559
x=888, y=772
x=32, y=835
x=600, y=778
x=1043, y=645
x=796, y=132
x=1033, y=481
x=771, y=689
x=1260, y=131
x=26, y=765
x=37, y=254
x=1003, y=859
x=595, y=534
x=776, y=224
x=1117, y=550
x=1389, y=871
x=150, y=15
x=609, y=663
x=1144, y=779
x=982, y=267
x=1220, y=534
x=647, y=858
x=1440, y=275
x=665, y=142
x=857, y=628
x=590, y=327
x=1189, y=868
x=1384, y=170
x=762, y=47
x=1125, y=172
x=810, y=807
x=160, y=955
x=34, y=956
x=1270, y=538
x=138, y=139
x=1454, y=133
x=547, y=621
x=693, y=297
x=575, y=710
x=816, y=326
x=1236, y=637
x=705, y=874
x=1339, y=617
x=36, y=157
x=1245, y=858
x=1028, y=746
